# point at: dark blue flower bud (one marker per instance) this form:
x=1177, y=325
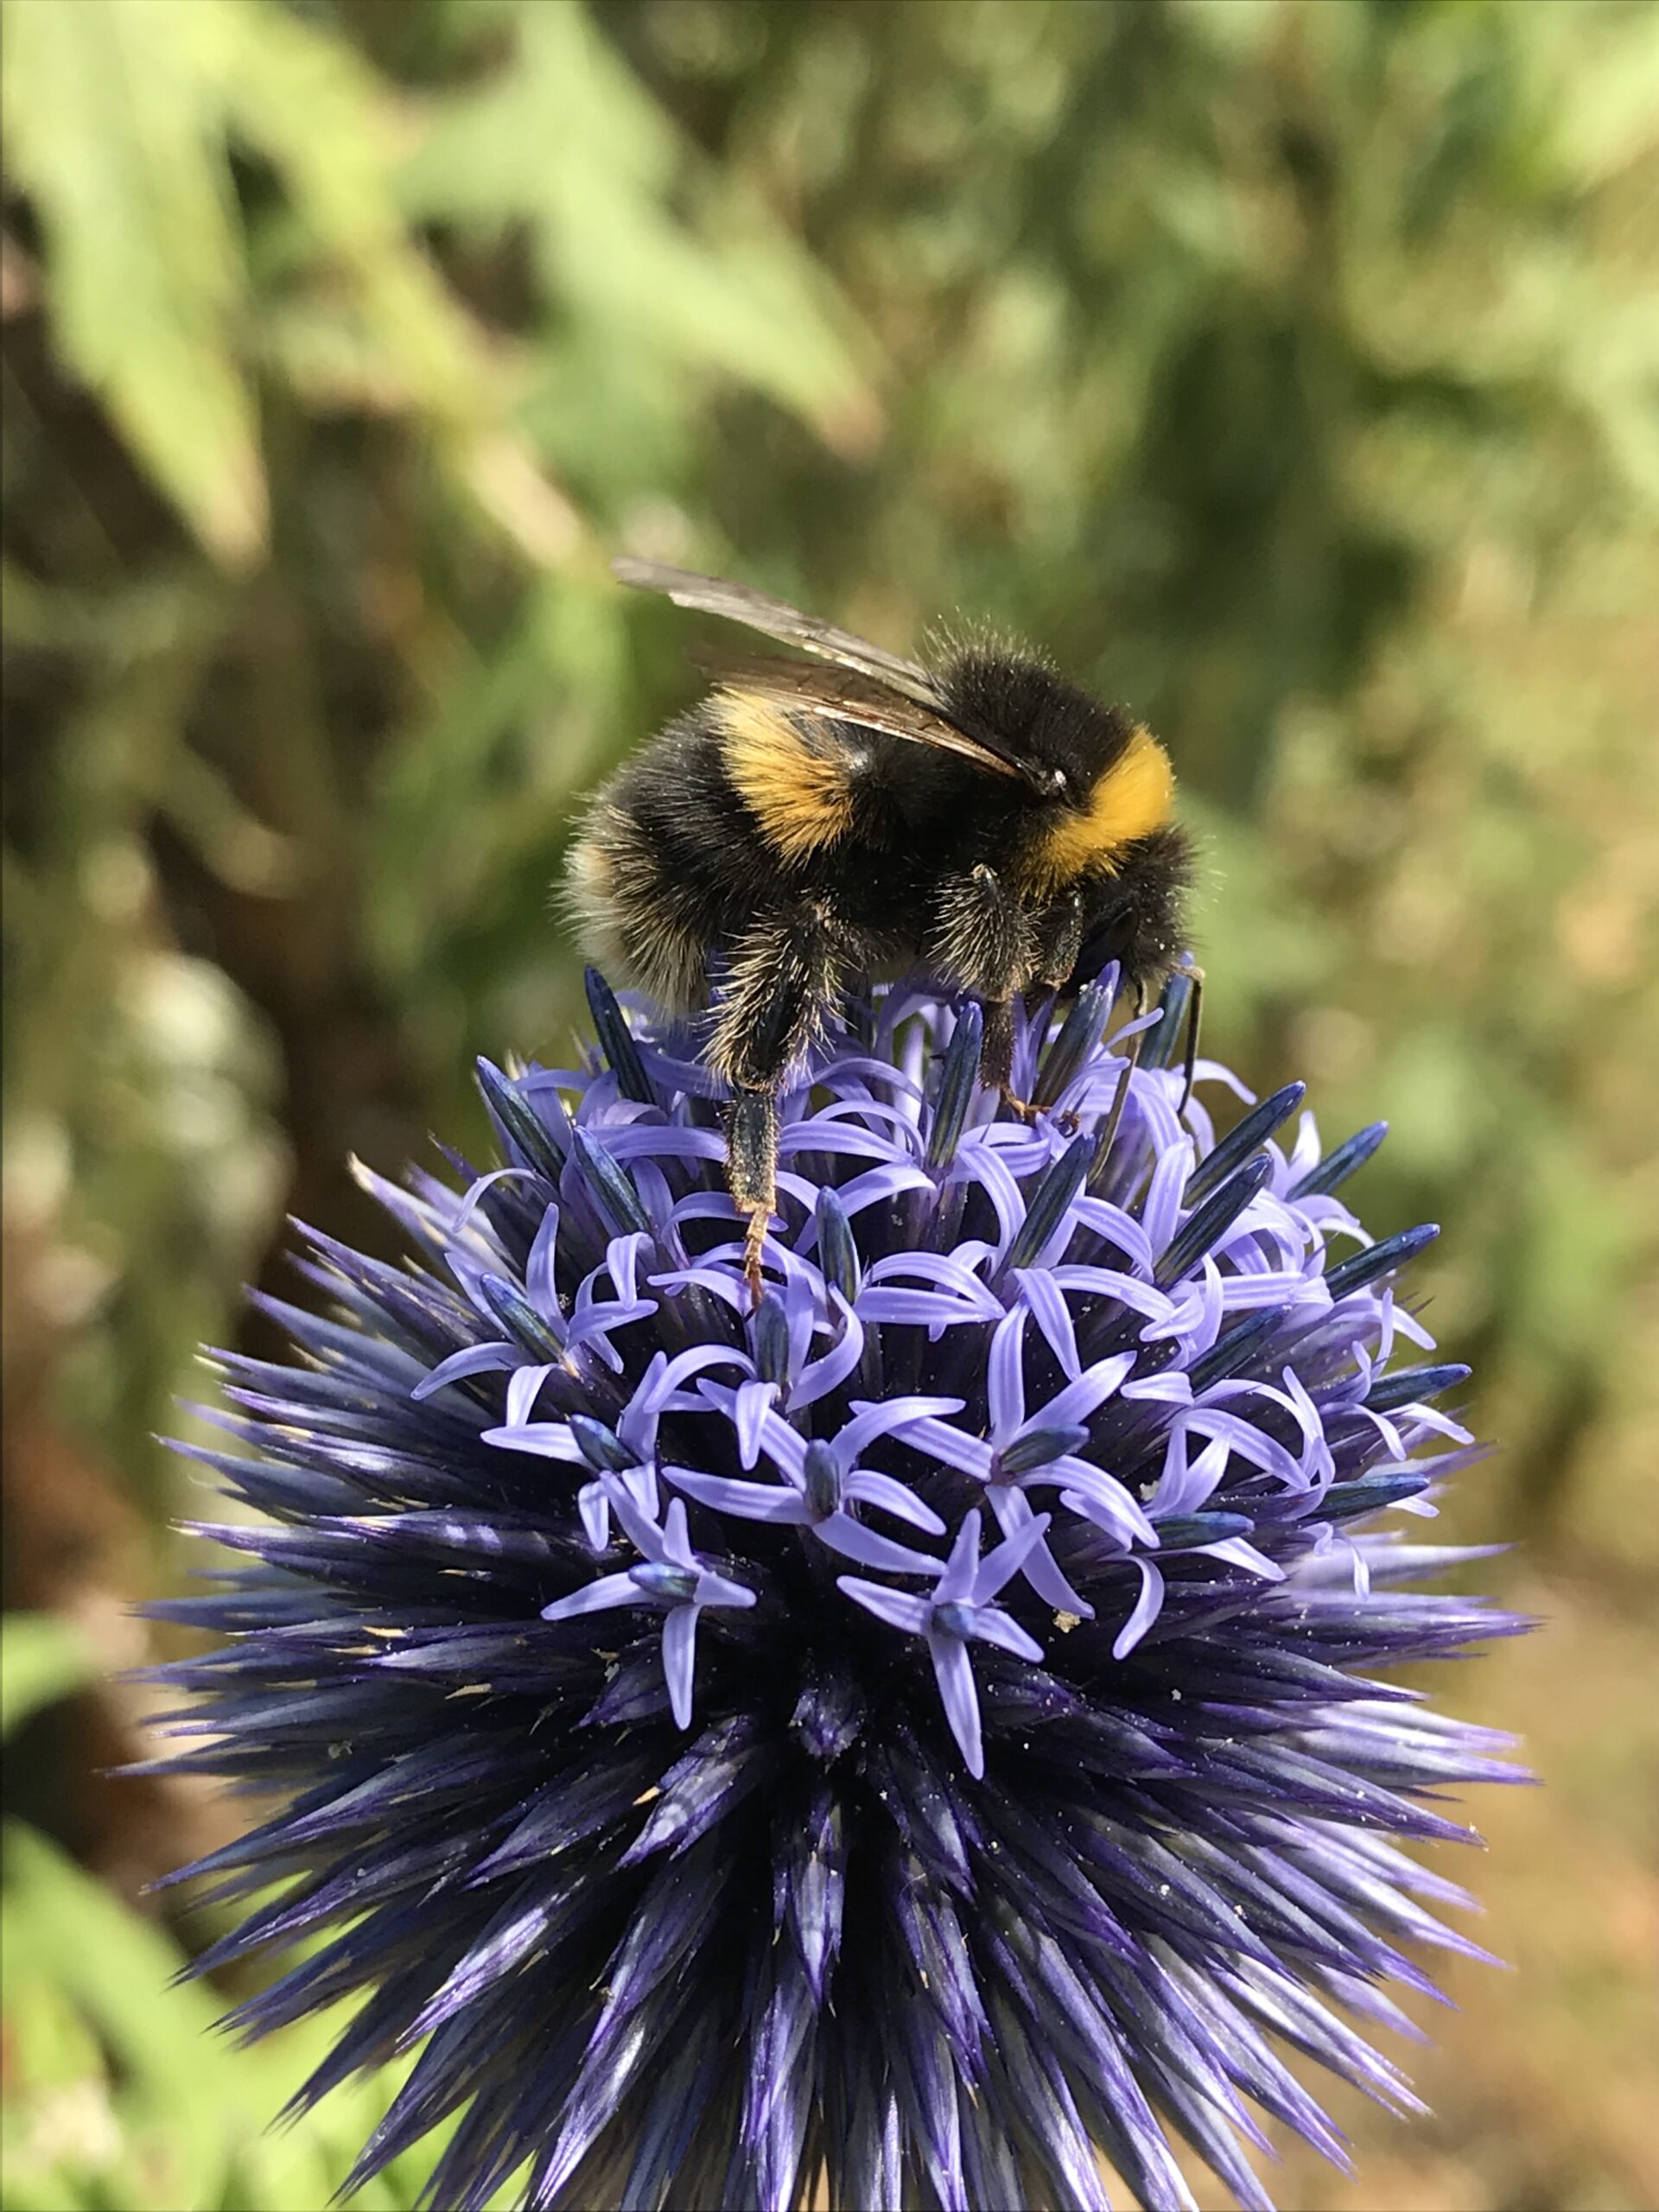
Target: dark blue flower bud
x=1076, y=1045
x=1245, y=1137
x=677, y=1585
x=612, y=1187
x=1040, y=1447
x=957, y=1079
x=520, y=1317
x=769, y=1339
x=516, y=1123
x=1337, y=1167
x=1379, y=1259
x=1051, y=1201
x=1414, y=1386
x=616, y=1039
x=1163, y=1040
x=1211, y=1222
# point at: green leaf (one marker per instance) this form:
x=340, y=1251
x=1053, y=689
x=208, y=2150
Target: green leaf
x=92, y=2000
x=43, y=1658
x=111, y=124
x=328, y=125
x=374, y=326
x=566, y=139
x=1601, y=107
x=115, y=1967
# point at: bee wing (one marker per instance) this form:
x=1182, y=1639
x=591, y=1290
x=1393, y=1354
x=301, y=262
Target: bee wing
x=775, y=617
x=865, y=684
x=849, y=695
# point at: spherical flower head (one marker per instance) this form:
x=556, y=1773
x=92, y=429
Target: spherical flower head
x=920, y=1736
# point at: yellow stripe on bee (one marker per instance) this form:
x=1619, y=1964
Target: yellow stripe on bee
x=1134, y=797
x=802, y=798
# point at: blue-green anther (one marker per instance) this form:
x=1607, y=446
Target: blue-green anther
x=601, y=1448
x=957, y=1082
x=769, y=1340
x=837, y=1253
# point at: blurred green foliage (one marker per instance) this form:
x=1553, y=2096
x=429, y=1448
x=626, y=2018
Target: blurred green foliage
x=1288, y=368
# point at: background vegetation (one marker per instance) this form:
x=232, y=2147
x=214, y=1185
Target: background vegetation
x=1288, y=367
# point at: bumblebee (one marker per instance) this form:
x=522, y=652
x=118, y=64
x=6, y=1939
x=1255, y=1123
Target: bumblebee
x=812, y=822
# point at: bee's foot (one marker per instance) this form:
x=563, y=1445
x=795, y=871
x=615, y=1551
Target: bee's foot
x=754, y=1245
x=1021, y=1109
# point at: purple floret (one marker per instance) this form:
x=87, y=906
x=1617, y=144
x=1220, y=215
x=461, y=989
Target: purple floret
x=1014, y=1589
x=957, y=1611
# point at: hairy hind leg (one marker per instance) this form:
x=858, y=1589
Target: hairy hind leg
x=984, y=942
x=786, y=972
x=751, y=1172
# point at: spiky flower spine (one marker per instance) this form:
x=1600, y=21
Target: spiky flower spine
x=915, y=1738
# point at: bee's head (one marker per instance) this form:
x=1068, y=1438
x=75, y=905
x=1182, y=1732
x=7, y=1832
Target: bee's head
x=1100, y=825
x=1098, y=777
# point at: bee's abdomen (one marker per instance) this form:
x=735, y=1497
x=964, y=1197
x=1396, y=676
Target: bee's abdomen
x=669, y=866
x=797, y=776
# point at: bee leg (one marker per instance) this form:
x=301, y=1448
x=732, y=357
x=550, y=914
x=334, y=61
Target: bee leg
x=984, y=941
x=1060, y=935
x=996, y=1056
x=785, y=972
x=751, y=1171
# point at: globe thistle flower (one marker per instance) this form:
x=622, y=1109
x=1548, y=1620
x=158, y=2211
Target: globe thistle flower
x=915, y=1739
